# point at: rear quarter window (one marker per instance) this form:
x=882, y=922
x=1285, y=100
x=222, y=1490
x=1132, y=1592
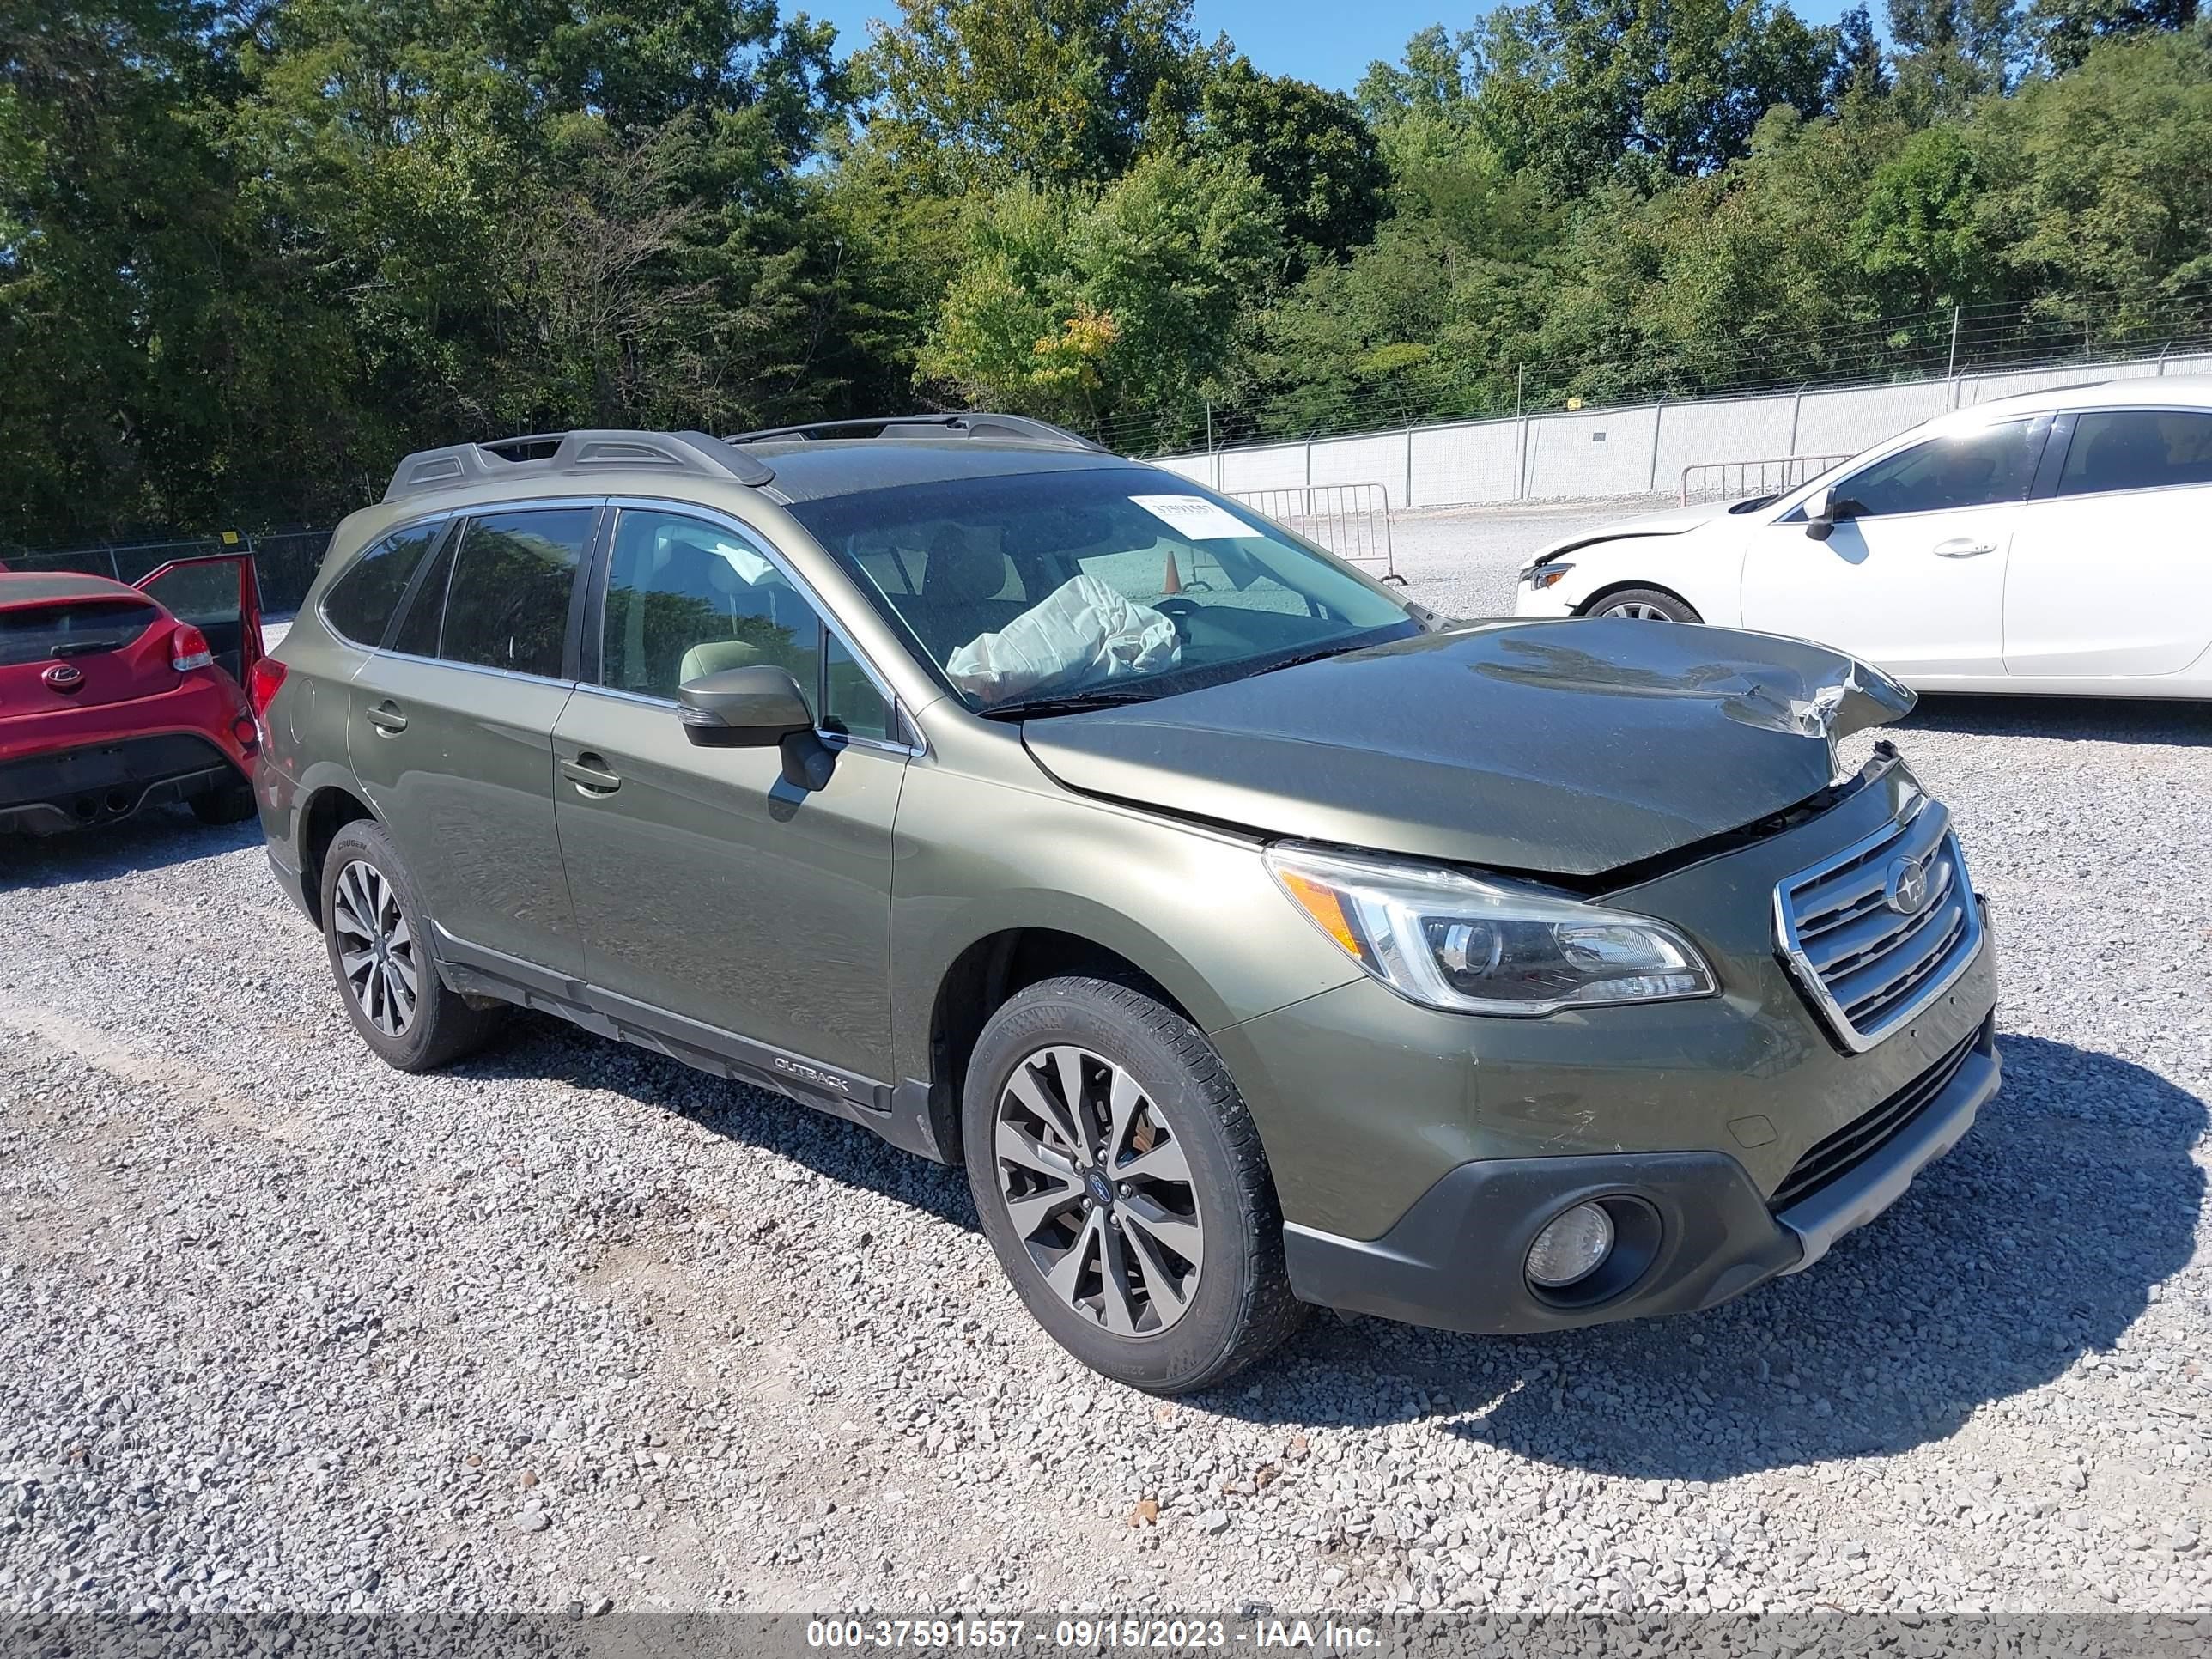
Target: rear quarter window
x=360, y=604
x=37, y=632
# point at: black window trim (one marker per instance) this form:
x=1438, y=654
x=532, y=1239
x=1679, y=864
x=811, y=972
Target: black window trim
x=2062, y=441
x=593, y=624
x=457, y=520
x=2040, y=433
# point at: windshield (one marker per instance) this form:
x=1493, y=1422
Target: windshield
x=1071, y=586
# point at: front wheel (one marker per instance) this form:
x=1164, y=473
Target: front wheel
x=1644, y=605
x=1120, y=1181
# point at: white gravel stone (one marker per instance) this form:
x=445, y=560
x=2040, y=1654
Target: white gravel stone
x=281, y=1329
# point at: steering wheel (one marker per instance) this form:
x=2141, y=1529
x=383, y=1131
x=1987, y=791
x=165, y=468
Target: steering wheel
x=1178, y=610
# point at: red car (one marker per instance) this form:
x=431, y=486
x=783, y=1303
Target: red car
x=114, y=697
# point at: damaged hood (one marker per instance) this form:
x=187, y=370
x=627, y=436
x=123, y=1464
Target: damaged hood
x=1566, y=748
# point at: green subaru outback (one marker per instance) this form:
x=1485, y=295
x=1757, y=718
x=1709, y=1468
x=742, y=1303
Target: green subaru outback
x=1254, y=936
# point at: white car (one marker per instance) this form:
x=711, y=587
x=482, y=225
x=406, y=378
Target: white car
x=2058, y=541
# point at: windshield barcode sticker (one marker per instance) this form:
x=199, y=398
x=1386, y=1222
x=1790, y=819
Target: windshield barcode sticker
x=1195, y=517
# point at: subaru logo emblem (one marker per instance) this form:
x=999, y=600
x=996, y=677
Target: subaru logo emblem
x=1905, y=888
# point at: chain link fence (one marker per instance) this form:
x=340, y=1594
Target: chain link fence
x=284, y=560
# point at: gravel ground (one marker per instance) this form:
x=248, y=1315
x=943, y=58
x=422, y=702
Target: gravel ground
x=572, y=1326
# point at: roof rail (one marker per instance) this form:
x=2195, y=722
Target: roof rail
x=974, y=424
x=548, y=454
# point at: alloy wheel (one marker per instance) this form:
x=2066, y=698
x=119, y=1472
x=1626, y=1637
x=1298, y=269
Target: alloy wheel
x=376, y=948
x=1099, y=1191
x=1637, y=611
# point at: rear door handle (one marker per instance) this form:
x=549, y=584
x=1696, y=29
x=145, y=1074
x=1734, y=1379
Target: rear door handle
x=590, y=775
x=386, y=718
x=1959, y=547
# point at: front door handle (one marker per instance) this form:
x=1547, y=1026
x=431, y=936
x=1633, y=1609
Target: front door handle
x=1962, y=547
x=590, y=775
x=386, y=719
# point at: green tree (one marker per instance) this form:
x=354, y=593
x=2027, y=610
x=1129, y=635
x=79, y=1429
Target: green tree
x=1309, y=150
x=1583, y=90
x=1093, y=309
x=2067, y=29
x=2107, y=192
x=1922, y=235
x=982, y=92
x=1949, y=53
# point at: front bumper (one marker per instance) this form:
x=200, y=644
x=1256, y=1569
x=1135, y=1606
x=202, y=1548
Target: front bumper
x=106, y=780
x=1455, y=1260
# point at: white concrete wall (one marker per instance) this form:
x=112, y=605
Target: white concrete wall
x=1562, y=457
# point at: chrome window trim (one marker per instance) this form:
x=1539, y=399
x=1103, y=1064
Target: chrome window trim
x=477, y=668
x=551, y=502
x=444, y=515
x=1807, y=977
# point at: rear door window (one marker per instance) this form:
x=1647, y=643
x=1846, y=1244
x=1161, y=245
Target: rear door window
x=514, y=578
x=360, y=604
x=2137, y=449
x=79, y=627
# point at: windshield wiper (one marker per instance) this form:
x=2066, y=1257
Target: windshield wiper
x=1075, y=702
x=1304, y=656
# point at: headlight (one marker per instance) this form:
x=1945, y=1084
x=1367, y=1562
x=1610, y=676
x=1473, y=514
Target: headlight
x=1542, y=576
x=1447, y=940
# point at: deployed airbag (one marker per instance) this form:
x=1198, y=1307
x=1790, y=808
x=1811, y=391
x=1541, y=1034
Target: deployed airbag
x=1080, y=633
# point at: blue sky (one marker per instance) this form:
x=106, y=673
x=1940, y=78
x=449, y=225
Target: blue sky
x=1330, y=42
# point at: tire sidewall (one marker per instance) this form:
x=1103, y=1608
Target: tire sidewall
x=363, y=842
x=1198, y=1342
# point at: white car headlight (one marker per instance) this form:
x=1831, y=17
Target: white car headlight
x=1447, y=940
x=1542, y=576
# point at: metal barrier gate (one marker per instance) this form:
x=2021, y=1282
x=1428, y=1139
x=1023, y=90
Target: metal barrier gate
x=1351, y=521
x=1724, y=481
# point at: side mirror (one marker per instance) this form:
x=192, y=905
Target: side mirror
x=755, y=707
x=1826, y=510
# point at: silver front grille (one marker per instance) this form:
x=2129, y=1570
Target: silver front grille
x=1867, y=958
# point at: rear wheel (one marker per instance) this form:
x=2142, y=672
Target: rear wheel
x=1644, y=605
x=378, y=940
x=1120, y=1181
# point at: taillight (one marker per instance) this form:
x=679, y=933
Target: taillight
x=261, y=685
x=188, y=649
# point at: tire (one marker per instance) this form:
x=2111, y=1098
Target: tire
x=1644, y=605
x=437, y=1026
x=1182, y=1321
x=232, y=803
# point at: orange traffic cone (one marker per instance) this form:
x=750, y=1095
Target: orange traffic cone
x=1172, y=581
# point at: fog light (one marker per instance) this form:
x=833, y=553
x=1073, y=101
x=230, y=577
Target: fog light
x=1572, y=1248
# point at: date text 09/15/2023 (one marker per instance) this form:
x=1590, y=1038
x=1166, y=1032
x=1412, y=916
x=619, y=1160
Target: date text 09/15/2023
x=1092, y=1634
